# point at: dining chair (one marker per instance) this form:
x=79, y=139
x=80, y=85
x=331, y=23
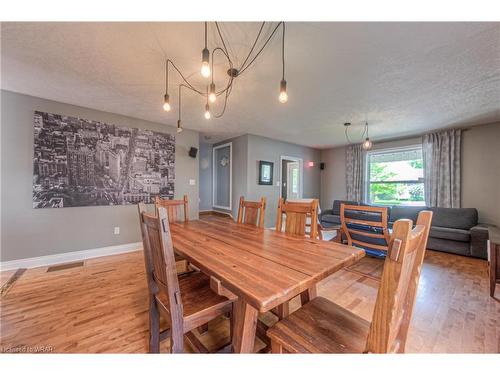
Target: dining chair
x=322, y=326
x=252, y=212
x=299, y=215
x=296, y=217
x=174, y=208
x=177, y=210
x=366, y=227
x=186, y=301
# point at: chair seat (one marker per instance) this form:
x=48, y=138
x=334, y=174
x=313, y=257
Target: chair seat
x=200, y=303
x=321, y=326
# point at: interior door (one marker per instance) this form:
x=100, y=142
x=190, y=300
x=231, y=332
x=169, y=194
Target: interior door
x=293, y=180
x=222, y=189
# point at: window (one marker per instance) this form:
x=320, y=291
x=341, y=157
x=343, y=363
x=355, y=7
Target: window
x=395, y=177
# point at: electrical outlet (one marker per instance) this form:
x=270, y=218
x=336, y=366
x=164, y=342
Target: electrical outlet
x=192, y=182
x=117, y=230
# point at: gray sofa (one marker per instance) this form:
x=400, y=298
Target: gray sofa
x=454, y=230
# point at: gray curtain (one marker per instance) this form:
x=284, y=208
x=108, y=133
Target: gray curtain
x=354, y=172
x=442, y=168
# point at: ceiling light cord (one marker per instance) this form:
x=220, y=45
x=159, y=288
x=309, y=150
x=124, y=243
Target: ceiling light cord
x=253, y=46
x=206, y=37
x=283, y=52
x=261, y=49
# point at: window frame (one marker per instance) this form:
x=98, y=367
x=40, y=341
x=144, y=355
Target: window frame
x=366, y=188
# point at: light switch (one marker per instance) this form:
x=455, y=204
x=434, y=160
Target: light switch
x=192, y=182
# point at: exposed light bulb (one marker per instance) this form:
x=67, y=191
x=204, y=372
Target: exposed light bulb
x=205, y=66
x=211, y=96
x=205, y=69
x=207, y=112
x=283, y=98
x=367, y=144
x=166, y=104
x=179, y=127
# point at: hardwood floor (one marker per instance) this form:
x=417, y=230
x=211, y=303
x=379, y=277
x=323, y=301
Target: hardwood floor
x=80, y=310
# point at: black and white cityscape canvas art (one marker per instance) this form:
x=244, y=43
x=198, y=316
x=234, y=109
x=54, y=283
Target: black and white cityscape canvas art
x=80, y=162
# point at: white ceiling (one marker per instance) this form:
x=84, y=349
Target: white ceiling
x=404, y=78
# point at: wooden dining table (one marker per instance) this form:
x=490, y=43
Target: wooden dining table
x=264, y=268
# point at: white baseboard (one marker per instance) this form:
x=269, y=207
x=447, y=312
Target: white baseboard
x=48, y=260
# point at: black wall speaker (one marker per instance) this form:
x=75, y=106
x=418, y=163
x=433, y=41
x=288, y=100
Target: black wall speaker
x=193, y=151
x=321, y=166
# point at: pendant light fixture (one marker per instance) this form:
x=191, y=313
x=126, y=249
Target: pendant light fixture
x=207, y=108
x=367, y=143
x=283, y=97
x=207, y=70
x=211, y=96
x=166, y=98
x=179, y=125
x=205, y=58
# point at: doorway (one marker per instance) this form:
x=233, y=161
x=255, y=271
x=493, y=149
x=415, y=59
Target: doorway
x=291, y=177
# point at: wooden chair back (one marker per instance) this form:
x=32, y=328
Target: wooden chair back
x=398, y=286
x=160, y=268
x=174, y=208
x=375, y=229
x=296, y=215
x=252, y=212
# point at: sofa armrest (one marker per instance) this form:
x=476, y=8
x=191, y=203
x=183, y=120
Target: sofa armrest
x=479, y=240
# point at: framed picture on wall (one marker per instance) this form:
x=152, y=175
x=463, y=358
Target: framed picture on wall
x=265, y=172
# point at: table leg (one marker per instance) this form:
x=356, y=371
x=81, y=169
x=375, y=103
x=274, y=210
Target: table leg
x=245, y=326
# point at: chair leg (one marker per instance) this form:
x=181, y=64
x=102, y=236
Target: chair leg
x=283, y=310
x=276, y=348
x=203, y=329
x=154, y=327
x=231, y=324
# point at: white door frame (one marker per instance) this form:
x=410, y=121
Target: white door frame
x=301, y=173
x=214, y=165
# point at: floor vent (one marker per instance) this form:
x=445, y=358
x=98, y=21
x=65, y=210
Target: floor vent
x=64, y=266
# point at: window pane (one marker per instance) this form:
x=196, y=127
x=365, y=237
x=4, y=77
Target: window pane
x=396, y=177
x=408, y=194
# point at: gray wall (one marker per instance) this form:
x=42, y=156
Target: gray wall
x=205, y=176
x=261, y=148
x=248, y=150
x=480, y=171
x=28, y=232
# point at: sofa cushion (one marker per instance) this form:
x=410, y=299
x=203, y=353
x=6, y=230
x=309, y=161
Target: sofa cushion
x=459, y=218
x=336, y=205
x=405, y=212
x=330, y=219
x=450, y=234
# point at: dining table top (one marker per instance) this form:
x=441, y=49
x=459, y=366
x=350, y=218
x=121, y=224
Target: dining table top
x=262, y=266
